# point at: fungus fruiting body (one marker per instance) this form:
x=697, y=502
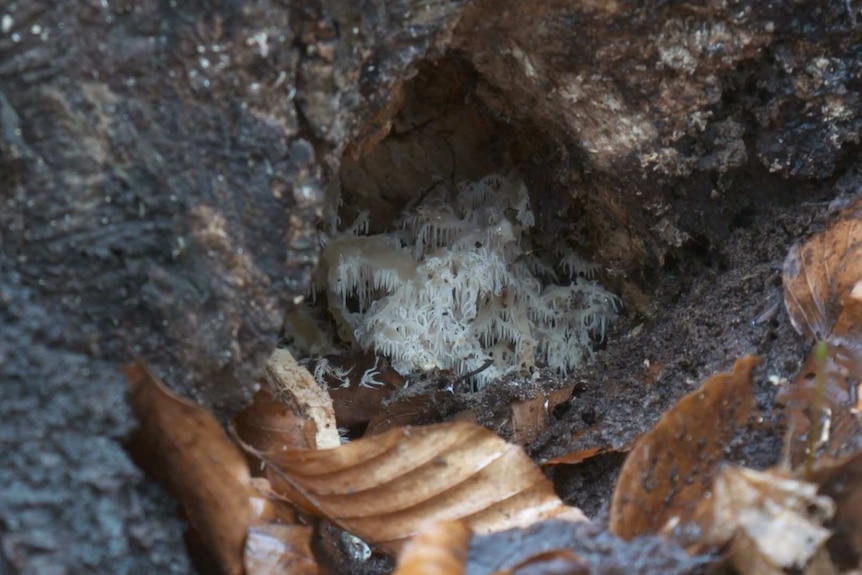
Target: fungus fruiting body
x=456, y=285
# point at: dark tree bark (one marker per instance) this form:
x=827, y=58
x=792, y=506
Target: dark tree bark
x=162, y=170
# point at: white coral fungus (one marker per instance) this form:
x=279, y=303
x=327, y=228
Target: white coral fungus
x=457, y=287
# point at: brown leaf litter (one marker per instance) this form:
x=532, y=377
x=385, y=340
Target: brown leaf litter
x=424, y=491
x=671, y=466
x=241, y=524
x=823, y=294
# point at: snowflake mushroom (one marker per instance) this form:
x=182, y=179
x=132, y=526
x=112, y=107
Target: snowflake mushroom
x=456, y=286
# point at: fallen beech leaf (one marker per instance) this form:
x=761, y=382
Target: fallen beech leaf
x=819, y=274
x=357, y=405
x=842, y=482
x=531, y=417
x=279, y=550
x=270, y=424
x=823, y=295
x=268, y=506
x=295, y=387
x=768, y=522
x=439, y=549
x=383, y=488
x=558, y=562
x=291, y=412
x=421, y=409
x=830, y=404
x=354, y=403
x=559, y=396
x=848, y=329
x=579, y=456
x=187, y=448
x=670, y=467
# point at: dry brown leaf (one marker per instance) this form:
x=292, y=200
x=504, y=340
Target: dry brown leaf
x=296, y=388
x=819, y=274
x=559, y=396
x=272, y=424
x=422, y=409
x=558, y=562
x=831, y=404
x=531, y=417
x=823, y=295
x=279, y=550
x=268, y=506
x=383, y=488
x=670, y=467
x=358, y=404
x=579, y=456
x=291, y=412
x=187, y=448
x=842, y=482
x=439, y=549
x=767, y=522
x=848, y=329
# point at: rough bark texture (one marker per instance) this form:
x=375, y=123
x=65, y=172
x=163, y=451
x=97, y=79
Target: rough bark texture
x=163, y=164
x=162, y=167
x=698, y=110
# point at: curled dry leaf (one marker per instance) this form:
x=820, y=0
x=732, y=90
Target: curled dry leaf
x=291, y=411
x=579, y=456
x=842, y=482
x=820, y=273
x=278, y=550
x=767, y=522
x=268, y=506
x=295, y=387
x=823, y=295
x=416, y=409
x=383, y=488
x=359, y=384
x=673, y=465
x=439, y=549
x=823, y=400
x=273, y=424
x=184, y=446
x=531, y=417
